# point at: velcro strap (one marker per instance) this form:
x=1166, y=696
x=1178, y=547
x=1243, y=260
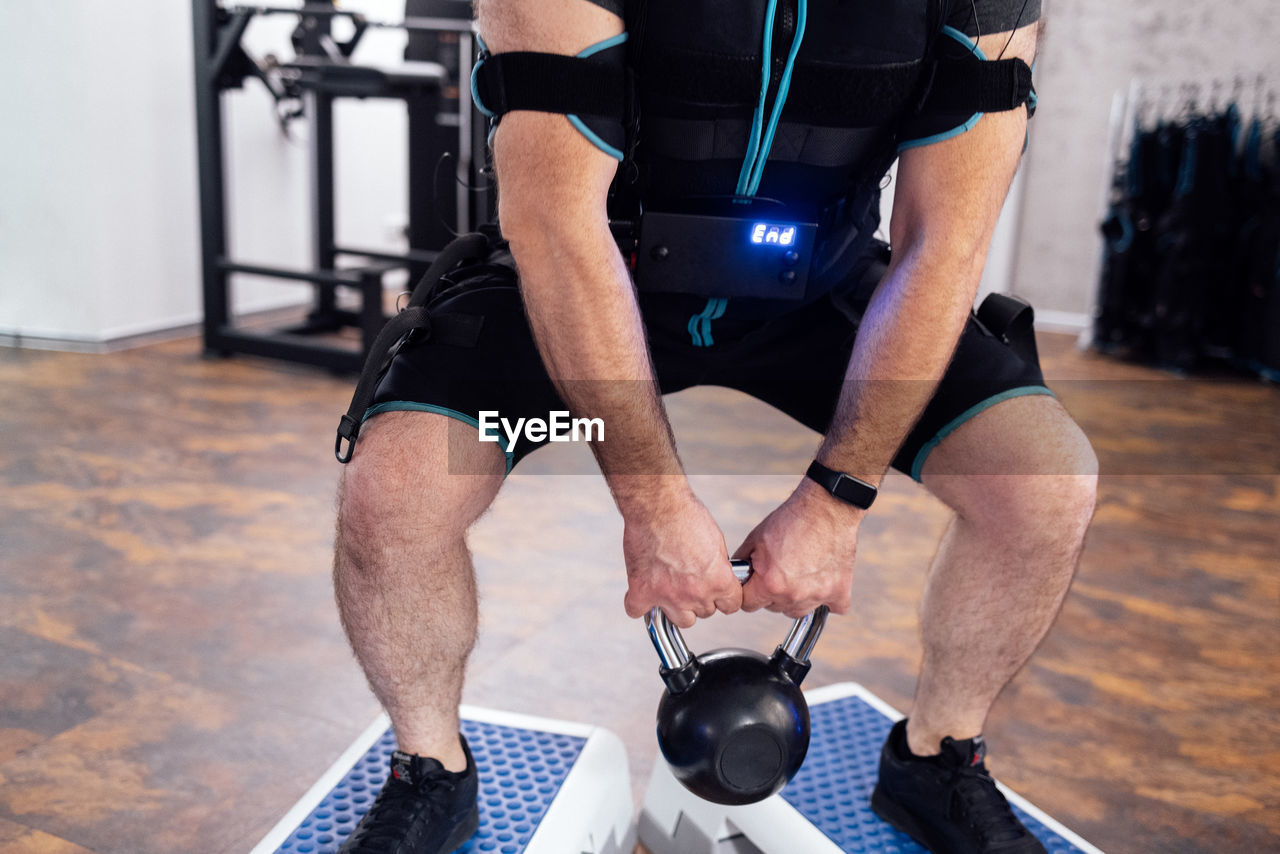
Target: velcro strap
x=458, y=251
x=395, y=329
x=551, y=83
x=459, y=330
x=979, y=86
x=725, y=139
x=1012, y=321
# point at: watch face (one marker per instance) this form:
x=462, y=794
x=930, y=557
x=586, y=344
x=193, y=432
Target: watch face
x=854, y=491
x=845, y=487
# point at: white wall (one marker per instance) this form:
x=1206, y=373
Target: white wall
x=99, y=232
x=1090, y=50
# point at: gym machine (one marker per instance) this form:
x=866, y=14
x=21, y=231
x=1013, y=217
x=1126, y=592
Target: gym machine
x=442, y=126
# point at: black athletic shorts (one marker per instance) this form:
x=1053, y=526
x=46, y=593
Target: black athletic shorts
x=794, y=360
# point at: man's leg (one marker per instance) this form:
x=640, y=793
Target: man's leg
x=402, y=573
x=1021, y=478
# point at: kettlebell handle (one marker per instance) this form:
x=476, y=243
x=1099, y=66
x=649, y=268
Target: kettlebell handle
x=674, y=653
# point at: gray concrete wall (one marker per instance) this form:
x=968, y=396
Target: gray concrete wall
x=1090, y=50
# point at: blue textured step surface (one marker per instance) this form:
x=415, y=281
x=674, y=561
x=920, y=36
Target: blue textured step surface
x=833, y=786
x=520, y=772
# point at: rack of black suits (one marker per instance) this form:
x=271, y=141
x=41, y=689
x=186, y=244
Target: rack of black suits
x=1190, y=276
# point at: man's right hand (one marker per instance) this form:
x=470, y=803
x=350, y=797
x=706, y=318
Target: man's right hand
x=677, y=561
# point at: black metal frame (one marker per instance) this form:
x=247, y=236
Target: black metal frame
x=221, y=63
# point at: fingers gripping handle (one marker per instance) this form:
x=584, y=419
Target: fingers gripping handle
x=666, y=636
x=674, y=653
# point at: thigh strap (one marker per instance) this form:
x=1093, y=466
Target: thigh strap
x=413, y=321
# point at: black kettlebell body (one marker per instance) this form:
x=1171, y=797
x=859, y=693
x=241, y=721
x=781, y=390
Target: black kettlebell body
x=733, y=724
x=739, y=729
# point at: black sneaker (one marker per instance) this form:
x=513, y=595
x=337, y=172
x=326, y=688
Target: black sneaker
x=948, y=803
x=422, y=809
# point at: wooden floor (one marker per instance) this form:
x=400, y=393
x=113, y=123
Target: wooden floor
x=173, y=677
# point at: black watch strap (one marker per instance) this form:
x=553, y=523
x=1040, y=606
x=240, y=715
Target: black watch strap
x=846, y=487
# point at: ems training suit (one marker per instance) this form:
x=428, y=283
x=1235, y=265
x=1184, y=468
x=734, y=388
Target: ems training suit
x=789, y=353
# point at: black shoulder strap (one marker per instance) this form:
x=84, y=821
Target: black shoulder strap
x=974, y=85
x=550, y=83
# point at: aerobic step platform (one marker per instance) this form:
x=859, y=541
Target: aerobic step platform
x=824, y=810
x=546, y=787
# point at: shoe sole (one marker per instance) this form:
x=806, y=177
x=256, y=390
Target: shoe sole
x=463, y=832
x=899, y=818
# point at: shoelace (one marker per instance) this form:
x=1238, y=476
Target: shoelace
x=984, y=806
x=400, y=804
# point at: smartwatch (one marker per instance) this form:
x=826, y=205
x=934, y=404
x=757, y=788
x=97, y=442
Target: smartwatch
x=847, y=488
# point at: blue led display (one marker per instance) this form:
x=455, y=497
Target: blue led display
x=767, y=233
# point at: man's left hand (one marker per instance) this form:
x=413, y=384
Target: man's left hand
x=802, y=554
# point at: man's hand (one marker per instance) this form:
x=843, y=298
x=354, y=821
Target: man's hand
x=677, y=560
x=802, y=554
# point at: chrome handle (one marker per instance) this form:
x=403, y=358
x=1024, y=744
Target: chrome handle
x=804, y=634
x=674, y=653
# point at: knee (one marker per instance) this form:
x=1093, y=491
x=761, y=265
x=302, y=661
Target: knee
x=1024, y=469
x=1040, y=506
x=1052, y=506
x=368, y=506
x=1068, y=490
x=396, y=497
x=1034, y=512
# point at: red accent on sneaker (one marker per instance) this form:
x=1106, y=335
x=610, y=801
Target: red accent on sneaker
x=977, y=757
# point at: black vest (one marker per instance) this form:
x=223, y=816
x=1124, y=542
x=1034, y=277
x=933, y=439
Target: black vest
x=679, y=104
x=859, y=72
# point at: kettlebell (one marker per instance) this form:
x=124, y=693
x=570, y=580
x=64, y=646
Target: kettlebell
x=733, y=724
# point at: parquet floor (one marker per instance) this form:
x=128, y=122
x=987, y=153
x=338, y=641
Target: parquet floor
x=173, y=677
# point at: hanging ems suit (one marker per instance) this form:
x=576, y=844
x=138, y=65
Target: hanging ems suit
x=1257, y=254
x=697, y=98
x=1189, y=249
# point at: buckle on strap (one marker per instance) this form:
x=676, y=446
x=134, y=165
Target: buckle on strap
x=348, y=429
